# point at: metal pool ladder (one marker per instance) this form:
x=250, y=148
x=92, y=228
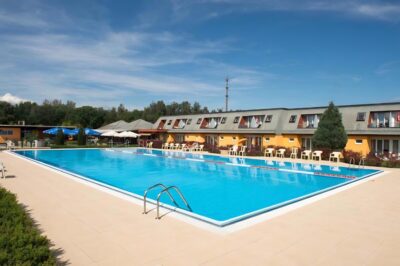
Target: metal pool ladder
x=165, y=190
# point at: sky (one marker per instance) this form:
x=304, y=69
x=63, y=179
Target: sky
x=288, y=53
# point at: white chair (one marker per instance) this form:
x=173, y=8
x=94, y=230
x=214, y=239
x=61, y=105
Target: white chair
x=335, y=156
x=165, y=145
x=242, y=151
x=3, y=170
x=269, y=152
x=194, y=146
x=177, y=145
x=293, y=154
x=150, y=145
x=184, y=147
x=10, y=145
x=200, y=148
x=316, y=155
x=281, y=153
x=306, y=155
x=233, y=150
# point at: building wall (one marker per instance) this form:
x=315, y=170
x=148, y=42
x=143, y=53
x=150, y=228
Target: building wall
x=194, y=138
x=15, y=133
x=228, y=140
x=285, y=140
x=289, y=141
x=363, y=148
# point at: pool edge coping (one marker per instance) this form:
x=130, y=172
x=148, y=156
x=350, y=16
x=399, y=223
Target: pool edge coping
x=227, y=226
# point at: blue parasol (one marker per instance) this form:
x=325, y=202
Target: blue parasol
x=54, y=130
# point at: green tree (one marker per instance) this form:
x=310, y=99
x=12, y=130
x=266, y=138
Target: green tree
x=330, y=133
x=60, y=139
x=81, y=137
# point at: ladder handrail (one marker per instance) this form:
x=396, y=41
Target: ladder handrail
x=167, y=190
x=361, y=163
x=352, y=159
x=152, y=187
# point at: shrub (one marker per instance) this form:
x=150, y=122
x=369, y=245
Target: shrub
x=211, y=148
x=20, y=241
x=372, y=160
x=81, y=137
x=330, y=133
x=60, y=139
x=347, y=155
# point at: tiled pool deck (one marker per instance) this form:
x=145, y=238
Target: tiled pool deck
x=358, y=226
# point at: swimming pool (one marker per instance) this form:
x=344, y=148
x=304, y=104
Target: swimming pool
x=220, y=190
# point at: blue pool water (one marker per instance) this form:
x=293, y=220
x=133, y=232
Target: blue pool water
x=221, y=189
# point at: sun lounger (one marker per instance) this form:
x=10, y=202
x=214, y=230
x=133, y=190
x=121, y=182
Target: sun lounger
x=281, y=153
x=306, y=155
x=242, y=151
x=200, y=148
x=2, y=170
x=293, y=154
x=233, y=150
x=269, y=152
x=335, y=156
x=316, y=155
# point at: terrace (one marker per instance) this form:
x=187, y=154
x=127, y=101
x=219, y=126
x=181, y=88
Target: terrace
x=107, y=229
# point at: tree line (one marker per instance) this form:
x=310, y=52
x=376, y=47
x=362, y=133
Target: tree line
x=57, y=113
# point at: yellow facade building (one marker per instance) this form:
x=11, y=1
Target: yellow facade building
x=370, y=127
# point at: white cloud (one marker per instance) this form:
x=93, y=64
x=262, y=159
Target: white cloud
x=384, y=10
x=8, y=97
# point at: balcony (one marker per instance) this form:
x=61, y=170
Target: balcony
x=384, y=119
x=309, y=121
x=210, y=122
x=252, y=121
x=161, y=124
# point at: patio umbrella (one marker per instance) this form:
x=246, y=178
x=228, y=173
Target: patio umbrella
x=54, y=131
x=88, y=132
x=127, y=134
x=110, y=133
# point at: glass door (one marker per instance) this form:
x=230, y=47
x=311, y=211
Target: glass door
x=306, y=143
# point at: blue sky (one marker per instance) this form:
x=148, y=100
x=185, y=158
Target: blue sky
x=288, y=53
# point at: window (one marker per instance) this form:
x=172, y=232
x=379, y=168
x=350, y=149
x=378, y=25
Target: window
x=221, y=137
x=179, y=123
x=360, y=116
x=268, y=119
x=291, y=139
x=6, y=132
x=251, y=121
x=161, y=124
x=385, y=119
x=198, y=121
x=359, y=141
x=267, y=139
x=309, y=121
x=292, y=118
x=189, y=122
x=169, y=122
x=236, y=120
x=223, y=120
x=210, y=122
x=381, y=146
x=179, y=137
x=306, y=143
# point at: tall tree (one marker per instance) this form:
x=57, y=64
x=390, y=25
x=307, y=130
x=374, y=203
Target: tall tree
x=330, y=133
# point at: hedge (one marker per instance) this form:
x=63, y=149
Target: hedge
x=20, y=241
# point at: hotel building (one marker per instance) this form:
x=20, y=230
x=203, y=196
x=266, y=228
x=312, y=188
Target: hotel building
x=370, y=127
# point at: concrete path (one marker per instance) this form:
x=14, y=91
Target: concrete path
x=359, y=226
